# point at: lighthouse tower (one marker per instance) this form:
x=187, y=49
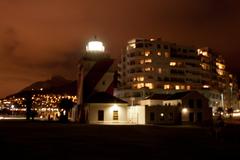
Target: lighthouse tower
x=95, y=74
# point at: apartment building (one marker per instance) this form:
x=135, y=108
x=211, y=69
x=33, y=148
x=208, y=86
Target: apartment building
x=152, y=66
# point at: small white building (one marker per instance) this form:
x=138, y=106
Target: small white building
x=103, y=108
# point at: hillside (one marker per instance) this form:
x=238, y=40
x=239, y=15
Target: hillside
x=55, y=85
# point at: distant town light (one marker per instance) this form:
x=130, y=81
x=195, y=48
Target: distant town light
x=95, y=46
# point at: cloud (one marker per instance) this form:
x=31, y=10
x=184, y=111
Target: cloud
x=43, y=38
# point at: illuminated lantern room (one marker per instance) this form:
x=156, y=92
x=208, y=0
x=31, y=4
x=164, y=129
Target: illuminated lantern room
x=95, y=47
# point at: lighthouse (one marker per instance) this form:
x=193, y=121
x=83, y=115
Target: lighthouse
x=95, y=74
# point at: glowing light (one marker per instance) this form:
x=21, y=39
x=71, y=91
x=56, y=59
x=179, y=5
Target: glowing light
x=115, y=107
x=184, y=110
x=166, y=86
x=95, y=46
x=177, y=87
x=206, y=86
x=172, y=64
x=148, y=60
x=147, y=53
x=162, y=114
x=149, y=85
x=188, y=87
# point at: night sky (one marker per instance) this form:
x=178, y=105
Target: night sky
x=41, y=38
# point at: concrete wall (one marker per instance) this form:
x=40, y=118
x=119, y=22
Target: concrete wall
x=150, y=102
x=136, y=115
x=108, y=108
x=163, y=115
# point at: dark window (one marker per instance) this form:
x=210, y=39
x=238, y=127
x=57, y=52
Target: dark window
x=139, y=45
x=152, y=116
x=191, y=117
x=191, y=103
x=165, y=47
x=100, y=115
x=115, y=115
x=199, y=103
x=199, y=116
x=158, y=46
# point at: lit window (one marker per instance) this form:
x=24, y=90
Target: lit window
x=172, y=64
x=182, y=87
x=133, y=45
x=149, y=85
x=140, y=85
x=159, y=70
x=205, y=66
x=220, y=65
x=115, y=115
x=159, y=53
x=148, y=69
x=166, y=86
x=167, y=54
x=206, y=86
x=148, y=60
x=188, y=87
x=147, y=53
x=231, y=84
x=220, y=72
x=177, y=87
x=141, y=61
x=140, y=78
x=204, y=53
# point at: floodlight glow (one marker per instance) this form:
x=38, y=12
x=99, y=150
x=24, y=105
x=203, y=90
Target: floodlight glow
x=184, y=110
x=115, y=107
x=95, y=46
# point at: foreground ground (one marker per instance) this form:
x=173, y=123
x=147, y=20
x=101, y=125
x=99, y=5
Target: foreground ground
x=42, y=140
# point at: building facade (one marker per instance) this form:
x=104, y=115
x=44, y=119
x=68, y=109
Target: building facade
x=103, y=108
x=179, y=108
x=152, y=66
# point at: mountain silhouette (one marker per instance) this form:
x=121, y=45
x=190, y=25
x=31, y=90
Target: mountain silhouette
x=55, y=85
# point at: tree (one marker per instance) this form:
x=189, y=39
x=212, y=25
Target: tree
x=28, y=102
x=65, y=105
